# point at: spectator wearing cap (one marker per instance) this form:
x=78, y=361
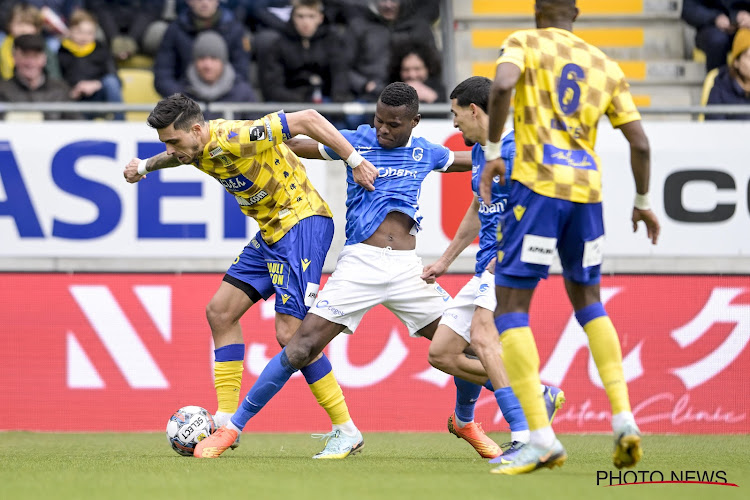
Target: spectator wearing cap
x=176, y=51
x=86, y=64
x=210, y=77
x=29, y=82
x=732, y=83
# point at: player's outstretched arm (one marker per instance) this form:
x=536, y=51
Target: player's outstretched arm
x=305, y=148
x=467, y=231
x=312, y=124
x=640, y=162
x=461, y=162
x=137, y=168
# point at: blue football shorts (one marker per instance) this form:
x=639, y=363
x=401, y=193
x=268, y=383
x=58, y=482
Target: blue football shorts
x=290, y=268
x=534, y=226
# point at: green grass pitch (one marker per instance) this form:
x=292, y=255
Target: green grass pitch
x=392, y=466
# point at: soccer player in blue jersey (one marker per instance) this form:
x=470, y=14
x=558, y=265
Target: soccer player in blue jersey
x=563, y=87
x=469, y=319
x=250, y=160
x=378, y=264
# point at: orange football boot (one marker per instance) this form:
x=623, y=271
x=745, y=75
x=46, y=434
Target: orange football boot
x=473, y=434
x=216, y=444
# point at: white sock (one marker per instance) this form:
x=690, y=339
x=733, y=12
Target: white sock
x=544, y=437
x=621, y=419
x=221, y=418
x=520, y=436
x=347, y=428
x=230, y=425
x=461, y=424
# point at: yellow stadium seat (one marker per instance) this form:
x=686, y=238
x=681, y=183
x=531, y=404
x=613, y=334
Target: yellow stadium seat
x=708, y=84
x=137, y=88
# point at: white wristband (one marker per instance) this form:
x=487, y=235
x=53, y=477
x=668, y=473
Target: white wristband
x=492, y=151
x=355, y=159
x=142, y=167
x=641, y=202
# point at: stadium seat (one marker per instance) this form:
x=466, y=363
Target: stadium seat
x=137, y=88
x=708, y=84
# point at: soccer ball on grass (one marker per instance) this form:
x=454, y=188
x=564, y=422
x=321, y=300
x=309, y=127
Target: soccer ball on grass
x=187, y=426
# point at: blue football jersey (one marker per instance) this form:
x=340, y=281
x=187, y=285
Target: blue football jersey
x=489, y=213
x=400, y=175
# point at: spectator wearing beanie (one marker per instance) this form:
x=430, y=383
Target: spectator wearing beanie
x=211, y=78
x=732, y=84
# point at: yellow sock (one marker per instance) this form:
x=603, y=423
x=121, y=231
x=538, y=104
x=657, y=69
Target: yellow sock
x=521, y=360
x=227, y=381
x=330, y=396
x=605, y=348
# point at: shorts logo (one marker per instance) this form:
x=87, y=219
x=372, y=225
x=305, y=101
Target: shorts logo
x=284, y=297
x=255, y=243
x=311, y=293
x=417, y=154
x=305, y=264
x=279, y=272
x=324, y=304
x=483, y=288
x=442, y=292
x=518, y=211
x=593, y=252
x=538, y=250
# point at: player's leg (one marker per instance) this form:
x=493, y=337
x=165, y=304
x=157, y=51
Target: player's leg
x=245, y=283
x=313, y=335
x=581, y=256
x=527, y=240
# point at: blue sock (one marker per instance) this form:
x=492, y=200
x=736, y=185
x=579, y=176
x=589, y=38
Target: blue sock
x=317, y=370
x=511, y=408
x=270, y=381
x=466, y=397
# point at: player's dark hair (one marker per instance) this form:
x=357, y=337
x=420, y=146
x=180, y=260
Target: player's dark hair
x=563, y=9
x=475, y=89
x=401, y=94
x=177, y=109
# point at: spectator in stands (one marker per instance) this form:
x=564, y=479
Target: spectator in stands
x=25, y=19
x=732, y=84
x=176, y=51
x=304, y=63
x=715, y=22
x=210, y=78
x=87, y=65
x=372, y=37
x=29, y=82
x=130, y=26
x=419, y=66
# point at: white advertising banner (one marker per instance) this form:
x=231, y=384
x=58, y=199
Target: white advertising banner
x=63, y=195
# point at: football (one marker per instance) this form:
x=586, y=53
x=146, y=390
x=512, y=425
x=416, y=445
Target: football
x=187, y=426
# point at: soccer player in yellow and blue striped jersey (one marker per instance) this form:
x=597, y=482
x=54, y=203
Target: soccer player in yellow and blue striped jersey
x=563, y=86
x=270, y=184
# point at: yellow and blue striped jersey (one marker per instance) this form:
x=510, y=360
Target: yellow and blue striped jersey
x=566, y=85
x=249, y=158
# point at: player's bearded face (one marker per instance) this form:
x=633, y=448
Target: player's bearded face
x=184, y=145
x=463, y=122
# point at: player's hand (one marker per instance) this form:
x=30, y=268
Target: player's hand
x=491, y=169
x=491, y=265
x=434, y=271
x=131, y=171
x=652, y=223
x=365, y=175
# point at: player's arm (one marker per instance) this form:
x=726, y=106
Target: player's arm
x=137, y=168
x=466, y=233
x=640, y=163
x=506, y=77
x=312, y=124
x=461, y=162
x=305, y=148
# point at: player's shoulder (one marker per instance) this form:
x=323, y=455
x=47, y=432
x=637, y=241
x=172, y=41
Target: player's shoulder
x=364, y=135
x=421, y=142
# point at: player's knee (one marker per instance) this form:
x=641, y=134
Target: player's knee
x=300, y=349
x=218, y=317
x=438, y=359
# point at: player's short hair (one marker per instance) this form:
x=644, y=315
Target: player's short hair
x=313, y=4
x=475, y=89
x=177, y=109
x=401, y=94
x=557, y=8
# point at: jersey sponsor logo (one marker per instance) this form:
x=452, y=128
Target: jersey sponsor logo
x=279, y=272
x=417, y=154
x=305, y=264
x=257, y=133
x=538, y=249
x=518, y=211
x=494, y=208
x=246, y=202
x=284, y=212
x=236, y=184
x=324, y=304
x=396, y=172
x=285, y=297
x=311, y=293
x=577, y=158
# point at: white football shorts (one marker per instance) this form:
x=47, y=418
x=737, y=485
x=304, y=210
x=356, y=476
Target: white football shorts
x=366, y=276
x=478, y=292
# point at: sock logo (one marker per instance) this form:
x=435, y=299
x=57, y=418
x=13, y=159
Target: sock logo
x=305, y=264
